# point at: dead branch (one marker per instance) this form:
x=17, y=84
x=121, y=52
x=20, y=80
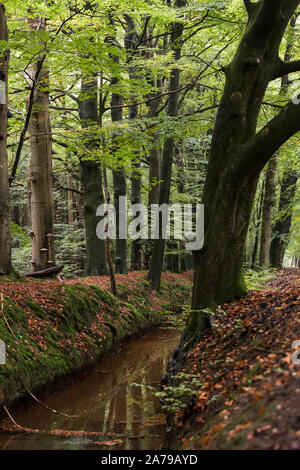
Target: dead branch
x=45, y=272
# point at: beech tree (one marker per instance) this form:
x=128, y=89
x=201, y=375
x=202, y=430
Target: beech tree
x=5, y=256
x=40, y=176
x=238, y=153
x=91, y=179
x=156, y=264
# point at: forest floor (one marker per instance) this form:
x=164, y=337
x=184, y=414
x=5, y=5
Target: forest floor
x=246, y=387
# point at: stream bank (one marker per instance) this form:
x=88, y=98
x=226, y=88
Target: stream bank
x=113, y=407
x=53, y=330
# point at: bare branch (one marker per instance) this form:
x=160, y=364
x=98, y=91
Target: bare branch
x=57, y=108
x=150, y=99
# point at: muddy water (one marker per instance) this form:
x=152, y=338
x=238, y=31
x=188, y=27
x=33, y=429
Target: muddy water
x=117, y=399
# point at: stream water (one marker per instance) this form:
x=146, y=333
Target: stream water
x=117, y=398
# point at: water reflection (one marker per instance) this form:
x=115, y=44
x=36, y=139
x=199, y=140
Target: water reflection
x=117, y=397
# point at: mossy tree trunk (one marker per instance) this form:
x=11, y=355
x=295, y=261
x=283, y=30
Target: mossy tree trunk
x=5, y=249
x=237, y=156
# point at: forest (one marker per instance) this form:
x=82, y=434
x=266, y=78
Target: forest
x=149, y=224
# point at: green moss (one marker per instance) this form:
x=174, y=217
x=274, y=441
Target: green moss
x=36, y=308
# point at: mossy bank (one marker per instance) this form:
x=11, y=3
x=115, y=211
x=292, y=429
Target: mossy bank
x=51, y=329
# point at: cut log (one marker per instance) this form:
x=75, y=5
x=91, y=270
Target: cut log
x=45, y=272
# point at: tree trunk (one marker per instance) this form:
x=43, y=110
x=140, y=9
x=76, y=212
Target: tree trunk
x=154, y=168
x=70, y=201
x=157, y=259
x=40, y=175
x=266, y=225
x=237, y=156
x=91, y=180
x=256, y=223
x=131, y=46
x=281, y=229
x=136, y=198
x=5, y=253
x=120, y=189
x=155, y=157
x=111, y=269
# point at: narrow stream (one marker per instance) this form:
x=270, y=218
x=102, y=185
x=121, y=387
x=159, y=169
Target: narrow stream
x=117, y=399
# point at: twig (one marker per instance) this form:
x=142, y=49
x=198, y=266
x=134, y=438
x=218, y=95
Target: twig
x=4, y=317
x=190, y=85
x=269, y=351
x=55, y=432
x=30, y=393
x=12, y=419
x=48, y=407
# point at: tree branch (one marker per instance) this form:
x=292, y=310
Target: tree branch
x=58, y=108
x=284, y=68
x=267, y=17
x=170, y=92
x=73, y=190
x=269, y=139
x=250, y=7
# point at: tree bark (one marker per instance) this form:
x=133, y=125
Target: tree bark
x=237, y=156
x=40, y=176
x=5, y=248
x=91, y=180
x=266, y=226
